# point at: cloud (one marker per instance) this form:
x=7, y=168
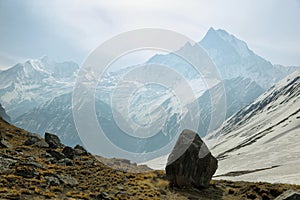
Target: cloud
x=72, y=29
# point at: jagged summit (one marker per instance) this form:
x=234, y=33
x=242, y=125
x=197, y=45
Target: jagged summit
x=220, y=39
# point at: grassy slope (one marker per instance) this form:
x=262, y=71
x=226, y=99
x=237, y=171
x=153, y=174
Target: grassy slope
x=96, y=179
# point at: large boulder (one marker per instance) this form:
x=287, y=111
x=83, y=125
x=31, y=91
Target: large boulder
x=190, y=164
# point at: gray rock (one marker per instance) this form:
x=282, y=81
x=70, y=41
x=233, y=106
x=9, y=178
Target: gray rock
x=6, y=163
x=69, y=152
x=68, y=180
x=190, y=164
x=55, y=154
x=79, y=150
x=5, y=144
x=31, y=140
x=289, y=195
x=42, y=144
x=52, y=181
x=65, y=162
x=31, y=162
x=53, y=141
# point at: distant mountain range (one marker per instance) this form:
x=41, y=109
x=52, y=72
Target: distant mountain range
x=30, y=84
x=37, y=93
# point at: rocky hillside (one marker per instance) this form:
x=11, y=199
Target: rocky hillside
x=35, y=168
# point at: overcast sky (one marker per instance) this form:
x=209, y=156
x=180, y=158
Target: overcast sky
x=71, y=29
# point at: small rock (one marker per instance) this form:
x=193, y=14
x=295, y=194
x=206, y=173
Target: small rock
x=121, y=188
x=190, y=163
x=230, y=191
x=265, y=196
x=79, y=150
x=1, y=142
x=68, y=180
x=65, y=162
x=42, y=144
x=52, y=181
x=289, y=195
x=69, y=152
x=104, y=196
x=53, y=141
x=6, y=163
x=251, y=196
x=31, y=162
x=276, y=191
x=31, y=140
x=57, y=155
x=26, y=171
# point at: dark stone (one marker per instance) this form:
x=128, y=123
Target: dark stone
x=26, y=171
x=79, y=150
x=104, y=196
x=52, y=181
x=55, y=154
x=251, y=196
x=31, y=162
x=53, y=141
x=230, y=191
x=190, y=164
x=31, y=140
x=69, y=152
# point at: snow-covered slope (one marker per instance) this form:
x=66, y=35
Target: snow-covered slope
x=263, y=135
x=27, y=85
x=239, y=92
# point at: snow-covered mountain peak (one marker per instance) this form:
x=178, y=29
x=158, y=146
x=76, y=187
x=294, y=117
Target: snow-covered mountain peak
x=221, y=38
x=33, y=82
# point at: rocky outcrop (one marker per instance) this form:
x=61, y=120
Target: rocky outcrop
x=190, y=164
x=53, y=141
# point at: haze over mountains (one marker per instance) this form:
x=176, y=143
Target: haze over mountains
x=37, y=93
